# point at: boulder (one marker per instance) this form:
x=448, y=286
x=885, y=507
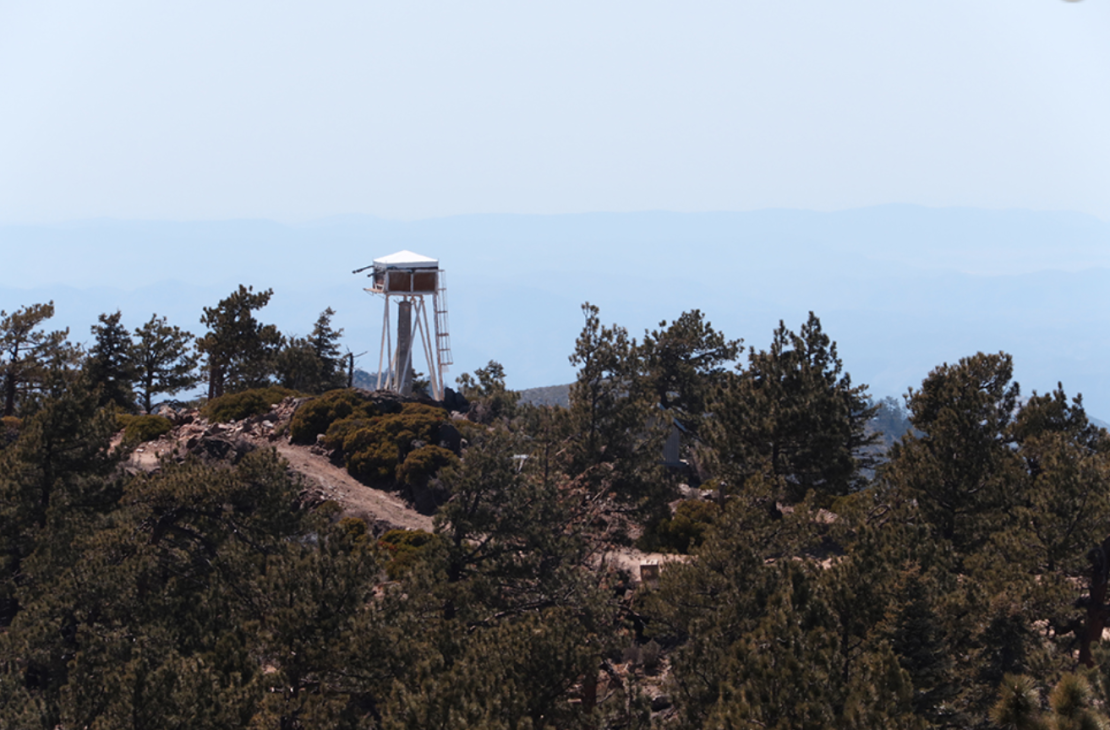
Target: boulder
x=220, y=448
x=450, y=438
x=454, y=401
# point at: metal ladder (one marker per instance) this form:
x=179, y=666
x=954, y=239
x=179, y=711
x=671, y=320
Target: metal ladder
x=443, y=337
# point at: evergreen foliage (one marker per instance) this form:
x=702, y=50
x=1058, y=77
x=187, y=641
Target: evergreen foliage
x=312, y=364
x=239, y=350
x=137, y=429
x=375, y=448
x=682, y=362
x=237, y=406
x=489, y=397
x=616, y=437
x=1071, y=701
x=682, y=531
x=314, y=417
x=164, y=359
x=952, y=591
x=9, y=430
x=406, y=548
x=27, y=353
x=423, y=463
x=794, y=414
x=110, y=365
x=961, y=468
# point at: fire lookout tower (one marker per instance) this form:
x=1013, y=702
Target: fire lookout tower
x=409, y=278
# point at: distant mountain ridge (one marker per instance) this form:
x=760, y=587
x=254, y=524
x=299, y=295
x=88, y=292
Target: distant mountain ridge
x=551, y=395
x=901, y=289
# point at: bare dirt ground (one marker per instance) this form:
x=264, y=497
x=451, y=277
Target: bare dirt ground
x=324, y=480
x=637, y=563
x=357, y=499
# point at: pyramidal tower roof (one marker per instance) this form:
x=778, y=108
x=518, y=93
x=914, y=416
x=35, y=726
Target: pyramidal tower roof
x=406, y=260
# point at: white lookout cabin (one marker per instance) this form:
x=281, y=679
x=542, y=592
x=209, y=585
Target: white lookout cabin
x=410, y=277
x=405, y=272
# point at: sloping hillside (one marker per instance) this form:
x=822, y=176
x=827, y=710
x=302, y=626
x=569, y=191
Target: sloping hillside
x=324, y=478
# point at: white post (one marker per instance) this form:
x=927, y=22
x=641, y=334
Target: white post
x=425, y=337
x=404, y=347
x=385, y=332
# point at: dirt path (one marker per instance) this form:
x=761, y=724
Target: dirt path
x=383, y=510
x=357, y=499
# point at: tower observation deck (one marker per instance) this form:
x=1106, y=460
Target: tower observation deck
x=407, y=279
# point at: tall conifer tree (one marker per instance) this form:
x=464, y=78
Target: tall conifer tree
x=239, y=350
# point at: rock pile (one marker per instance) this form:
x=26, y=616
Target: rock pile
x=211, y=442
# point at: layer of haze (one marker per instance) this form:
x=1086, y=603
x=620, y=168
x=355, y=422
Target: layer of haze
x=293, y=111
x=898, y=167
x=900, y=288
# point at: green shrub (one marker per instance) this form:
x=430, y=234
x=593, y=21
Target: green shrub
x=422, y=464
x=406, y=548
x=237, y=406
x=337, y=433
x=472, y=432
x=649, y=656
x=139, y=429
x=374, y=448
x=374, y=462
x=319, y=414
x=685, y=530
x=420, y=409
x=356, y=531
x=405, y=540
x=9, y=430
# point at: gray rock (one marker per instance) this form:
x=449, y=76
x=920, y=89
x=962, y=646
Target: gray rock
x=220, y=448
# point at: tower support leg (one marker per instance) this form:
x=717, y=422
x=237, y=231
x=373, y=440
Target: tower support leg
x=404, y=347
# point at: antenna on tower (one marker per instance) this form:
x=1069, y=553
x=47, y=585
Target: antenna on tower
x=406, y=278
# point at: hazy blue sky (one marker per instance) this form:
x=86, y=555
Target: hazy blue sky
x=292, y=111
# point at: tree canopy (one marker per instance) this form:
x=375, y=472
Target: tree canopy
x=28, y=352
x=239, y=350
x=794, y=414
x=164, y=360
x=958, y=582
x=110, y=363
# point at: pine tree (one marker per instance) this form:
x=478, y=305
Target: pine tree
x=110, y=365
x=617, y=438
x=164, y=358
x=239, y=350
x=60, y=465
x=297, y=367
x=27, y=353
x=1066, y=490
x=312, y=364
x=506, y=525
x=961, y=468
x=490, y=398
x=920, y=643
x=325, y=345
x=794, y=414
x=682, y=360
x=1070, y=705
